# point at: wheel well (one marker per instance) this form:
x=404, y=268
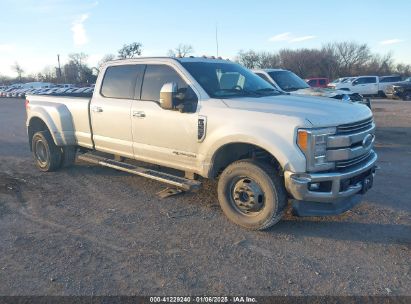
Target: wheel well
x=35, y=125
x=230, y=153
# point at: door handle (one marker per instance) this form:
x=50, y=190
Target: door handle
x=97, y=109
x=139, y=114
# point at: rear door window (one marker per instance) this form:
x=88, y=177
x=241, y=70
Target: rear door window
x=370, y=80
x=120, y=81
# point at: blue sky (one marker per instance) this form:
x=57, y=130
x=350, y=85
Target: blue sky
x=33, y=32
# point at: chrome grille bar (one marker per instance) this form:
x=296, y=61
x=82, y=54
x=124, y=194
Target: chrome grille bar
x=355, y=127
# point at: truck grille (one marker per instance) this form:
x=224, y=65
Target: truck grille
x=355, y=127
x=352, y=144
x=352, y=162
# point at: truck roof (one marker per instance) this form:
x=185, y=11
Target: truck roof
x=166, y=59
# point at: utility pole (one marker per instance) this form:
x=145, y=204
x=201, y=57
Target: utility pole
x=58, y=60
x=216, y=37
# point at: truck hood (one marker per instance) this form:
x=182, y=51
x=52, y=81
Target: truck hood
x=315, y=110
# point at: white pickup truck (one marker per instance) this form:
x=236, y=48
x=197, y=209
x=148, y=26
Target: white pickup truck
x=368, y=85
x=213, y=119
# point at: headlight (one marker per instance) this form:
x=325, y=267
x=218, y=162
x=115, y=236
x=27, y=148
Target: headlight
x=313, y=143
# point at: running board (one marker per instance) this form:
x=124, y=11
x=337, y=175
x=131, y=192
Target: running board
x=176, y=181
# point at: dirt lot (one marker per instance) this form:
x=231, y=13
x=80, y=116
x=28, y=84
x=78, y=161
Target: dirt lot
x=94, y=231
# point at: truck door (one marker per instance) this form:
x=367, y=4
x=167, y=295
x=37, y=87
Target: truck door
x=360, y=86
x=163, y=136
x=110, y=109
x=371, y=87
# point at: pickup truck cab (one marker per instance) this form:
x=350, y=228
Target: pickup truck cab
x=213, y=119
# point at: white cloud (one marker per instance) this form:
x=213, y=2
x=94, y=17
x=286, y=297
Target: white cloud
x=391, y=41
x=288, y=37
x=302, y=38
x=280, y=37
x=79, y=32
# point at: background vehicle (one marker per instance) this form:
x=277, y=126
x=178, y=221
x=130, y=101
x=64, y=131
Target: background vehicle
x=400, y=90
x=368, y=85
x=217, y=120
x=289, y=82
x=385, y=82
x=317, y=82
x=332, y=84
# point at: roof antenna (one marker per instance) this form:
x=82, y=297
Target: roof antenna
x=216, y=37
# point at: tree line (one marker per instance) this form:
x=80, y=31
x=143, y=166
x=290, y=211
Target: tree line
x=76, y=70
x=332, y=60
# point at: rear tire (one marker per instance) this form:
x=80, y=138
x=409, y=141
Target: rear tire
x=46, y=154
x=252, y=194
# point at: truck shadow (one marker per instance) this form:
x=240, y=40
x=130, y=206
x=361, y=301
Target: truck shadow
x=378, y=233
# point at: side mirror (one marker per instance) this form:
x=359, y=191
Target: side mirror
x=167, y=96
x=354, y=83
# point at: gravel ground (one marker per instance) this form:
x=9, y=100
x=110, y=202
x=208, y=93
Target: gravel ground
x=94, y=231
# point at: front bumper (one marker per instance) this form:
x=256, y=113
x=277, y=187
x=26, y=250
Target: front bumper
x=341, y=186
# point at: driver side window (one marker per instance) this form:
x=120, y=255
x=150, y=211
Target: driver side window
x=155, y=77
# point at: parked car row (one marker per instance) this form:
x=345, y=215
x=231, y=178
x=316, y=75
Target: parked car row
x=63, y=89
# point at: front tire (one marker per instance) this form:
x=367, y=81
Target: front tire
x=46, y=154
x=252, y=194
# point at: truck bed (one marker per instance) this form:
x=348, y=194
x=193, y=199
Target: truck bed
x=62, y=107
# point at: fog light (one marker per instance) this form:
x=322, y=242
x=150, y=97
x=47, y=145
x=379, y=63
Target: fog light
x=314, y=186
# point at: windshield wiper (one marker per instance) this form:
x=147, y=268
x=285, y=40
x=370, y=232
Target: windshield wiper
x=239, y=92
x=290, y=89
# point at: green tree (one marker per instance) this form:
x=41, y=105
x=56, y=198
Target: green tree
x=130, y=50
x=18, y=69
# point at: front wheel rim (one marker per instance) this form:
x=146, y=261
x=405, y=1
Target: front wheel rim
x=247, y=196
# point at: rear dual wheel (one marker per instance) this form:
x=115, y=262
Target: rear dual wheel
x=48, y=156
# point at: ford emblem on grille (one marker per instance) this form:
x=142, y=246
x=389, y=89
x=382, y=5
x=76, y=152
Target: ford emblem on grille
x=367, y=141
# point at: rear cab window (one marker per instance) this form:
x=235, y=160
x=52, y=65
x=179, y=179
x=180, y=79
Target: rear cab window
x=122, y=81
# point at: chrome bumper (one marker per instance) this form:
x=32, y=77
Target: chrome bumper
x=297, y=184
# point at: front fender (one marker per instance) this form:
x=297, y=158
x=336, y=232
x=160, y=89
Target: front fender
x=58, y=119
x=278, y=144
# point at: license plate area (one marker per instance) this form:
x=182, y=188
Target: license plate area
x=366, y=179
x=367, y=183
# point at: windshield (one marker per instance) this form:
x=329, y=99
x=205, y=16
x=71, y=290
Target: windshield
x=227, y=80
x=288, y=81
